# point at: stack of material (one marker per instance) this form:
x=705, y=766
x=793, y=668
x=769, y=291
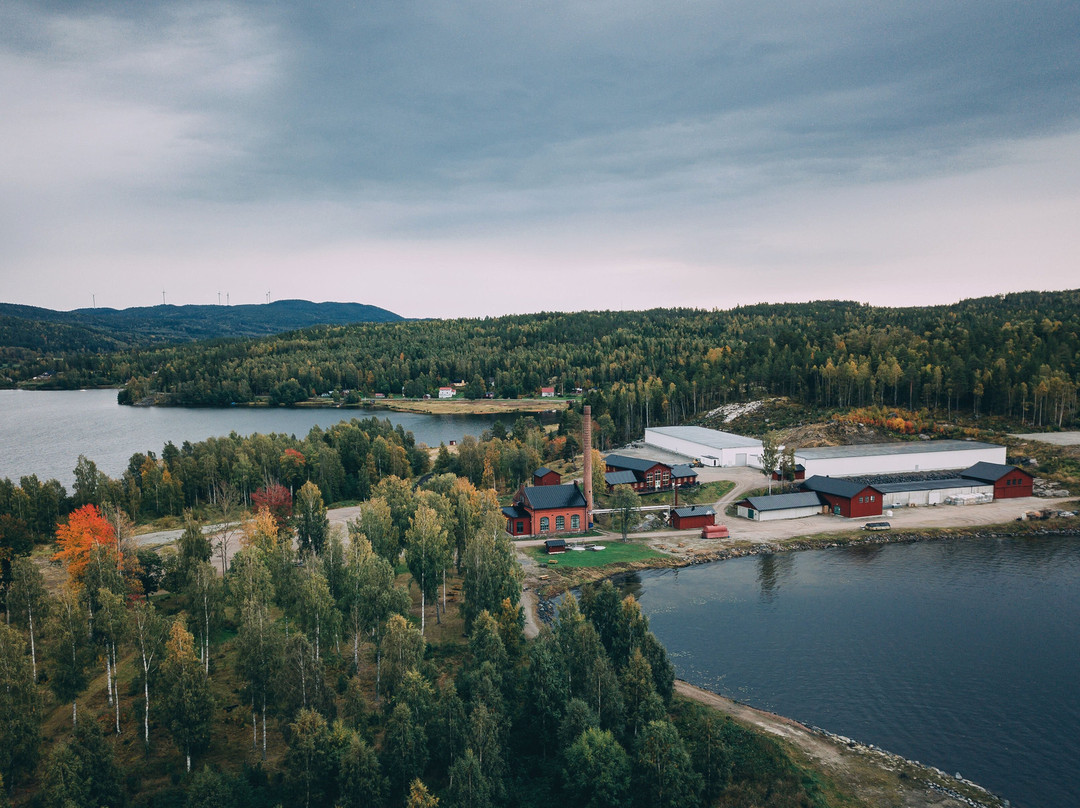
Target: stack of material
x=969, y=499
x=714, y=532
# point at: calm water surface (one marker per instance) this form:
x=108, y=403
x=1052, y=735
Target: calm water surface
x=44, y=432
x=964, y=655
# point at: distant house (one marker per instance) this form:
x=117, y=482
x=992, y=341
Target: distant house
x=447, y=392
x=547, y=392
x=543, y=509
x=646, y=475
x=692, y=516
x=545, y=476
x=1008, y=481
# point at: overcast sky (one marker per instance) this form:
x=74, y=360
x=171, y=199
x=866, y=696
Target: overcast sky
x=463, y=158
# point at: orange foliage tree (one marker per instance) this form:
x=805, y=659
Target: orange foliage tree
x=85, y=528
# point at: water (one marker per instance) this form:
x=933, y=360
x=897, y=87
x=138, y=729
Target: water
x=963, y=655
x=44, y=432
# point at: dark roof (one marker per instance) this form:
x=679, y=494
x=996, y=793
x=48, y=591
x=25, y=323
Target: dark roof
x=546, y=497
x=540, y=472
x=515, y=512
x=924, y=485
x=783, y=502
x=620, y=478
x=834, y=486
x=990, y=472
x=683, y=471
x=632, y=463
x=555, y=542
x=695, y=510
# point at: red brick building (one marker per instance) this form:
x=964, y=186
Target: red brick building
x=1008, y=481
x=545, y=509
x=845, y=498
x=644, y=475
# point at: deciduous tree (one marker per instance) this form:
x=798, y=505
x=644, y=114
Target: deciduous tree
x=187, y=703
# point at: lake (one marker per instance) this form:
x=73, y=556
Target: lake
x=964, y=655
x=44, y=432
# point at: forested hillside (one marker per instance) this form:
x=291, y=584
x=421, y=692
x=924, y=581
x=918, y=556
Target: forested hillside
x=33, y=339
x=1013, y=355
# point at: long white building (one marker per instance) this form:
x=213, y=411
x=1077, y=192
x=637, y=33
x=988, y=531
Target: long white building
x=711, y=446
x=897, y=458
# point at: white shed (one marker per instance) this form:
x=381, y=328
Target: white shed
x=897, y=458
x=711, y=446
x=780, y=506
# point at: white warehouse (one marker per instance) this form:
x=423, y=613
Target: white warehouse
x=711, y=446
x=897, y=458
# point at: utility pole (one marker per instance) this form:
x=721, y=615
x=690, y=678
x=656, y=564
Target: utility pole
x=219, y=298
x=93, y=300
x=162, y=297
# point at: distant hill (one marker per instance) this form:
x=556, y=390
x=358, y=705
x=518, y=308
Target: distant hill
x=112, y=329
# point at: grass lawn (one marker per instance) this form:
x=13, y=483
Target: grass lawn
x=614, y=552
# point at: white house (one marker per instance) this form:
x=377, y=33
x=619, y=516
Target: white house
x=711, y=446
x=447, y=392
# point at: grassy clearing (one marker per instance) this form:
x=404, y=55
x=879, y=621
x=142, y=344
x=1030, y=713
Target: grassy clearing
x=614, y=552
x=705, y=494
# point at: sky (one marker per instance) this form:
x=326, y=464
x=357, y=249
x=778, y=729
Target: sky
x=474, y=158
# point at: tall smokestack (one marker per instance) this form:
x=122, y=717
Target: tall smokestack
x=586, y=443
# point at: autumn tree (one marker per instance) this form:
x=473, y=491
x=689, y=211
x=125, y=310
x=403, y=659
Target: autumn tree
x=309, y=514
x=85, y=528
x=277, y=500
x=427, y=554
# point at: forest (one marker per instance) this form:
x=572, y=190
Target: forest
x=1013, y=356
x=277, y=663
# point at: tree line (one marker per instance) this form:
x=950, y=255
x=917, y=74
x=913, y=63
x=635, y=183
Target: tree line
x=314, y=642
x=1011, y=355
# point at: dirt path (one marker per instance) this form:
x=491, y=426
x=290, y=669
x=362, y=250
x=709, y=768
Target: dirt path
x=878, y=778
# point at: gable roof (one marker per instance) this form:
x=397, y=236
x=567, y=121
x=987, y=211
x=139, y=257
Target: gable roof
x=695, y=510
x=515, y=512
x=834, y=486
x=682, y=471
x=989, y=472
x=540, y=472
x=547, y=497
x=632, y=463
x=783, y=502
x=620, y=478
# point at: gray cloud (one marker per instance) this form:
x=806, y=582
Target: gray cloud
x=242, y=142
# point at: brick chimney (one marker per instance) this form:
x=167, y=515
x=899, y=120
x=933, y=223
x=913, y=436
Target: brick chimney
x=586, y=444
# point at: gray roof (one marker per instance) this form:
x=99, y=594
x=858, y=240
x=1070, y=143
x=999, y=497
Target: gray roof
x=515, y=512
x=783, y=502
x=540, y=472
x=683, y=471
x=835, y=486
x=544, y=497
x=707, y=437
x=695, y=510
x=924, y=485
x=990, y=472
x=633, y=463
x=620, y=478
x=912, y=447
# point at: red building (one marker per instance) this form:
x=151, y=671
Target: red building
x=646, y=475
x=544, y=509
x=1008, y=481
x=692, y=516
x=545, y=476
x=845, y=498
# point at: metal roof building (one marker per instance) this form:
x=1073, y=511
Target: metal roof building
x=711, y=446
x=891, y=458
x=780, y=506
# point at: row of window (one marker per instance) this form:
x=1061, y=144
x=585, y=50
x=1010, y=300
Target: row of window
x=560, y=523
x=867, y=499
x=1014, y=481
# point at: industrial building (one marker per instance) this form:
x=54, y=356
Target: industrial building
x=644, y=475
x=780, y=506
x=710, y=446
x=546, y=509
x=897, y=458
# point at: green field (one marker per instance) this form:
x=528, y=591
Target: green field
x=614, y=552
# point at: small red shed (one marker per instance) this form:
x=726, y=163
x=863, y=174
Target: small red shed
x=692, y=517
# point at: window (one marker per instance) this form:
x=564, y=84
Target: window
x=520, y=527
x=860, y=499
x=871, y=498
x=544, y=523
x=560, y=523
x=575, y=522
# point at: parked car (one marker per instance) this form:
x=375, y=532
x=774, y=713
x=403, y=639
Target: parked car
x=877, y=526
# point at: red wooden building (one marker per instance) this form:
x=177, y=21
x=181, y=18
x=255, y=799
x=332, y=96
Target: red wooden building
x=646, y=475
x=544, y=509
x=845, y=498
x=1008, y=481
x=545, y=476
x=692, y=516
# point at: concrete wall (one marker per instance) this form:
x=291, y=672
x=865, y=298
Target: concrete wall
x=729, y=456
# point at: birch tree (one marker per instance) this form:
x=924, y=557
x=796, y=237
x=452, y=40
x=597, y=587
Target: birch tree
x=186, y=699
x=28, y=602
x=69, y=650
x=427, y=554
x=148, y=631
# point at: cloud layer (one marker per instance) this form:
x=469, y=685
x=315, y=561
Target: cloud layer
x=482, y=157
